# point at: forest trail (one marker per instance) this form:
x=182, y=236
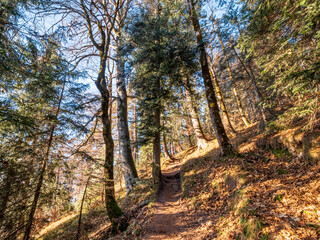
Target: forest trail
x=172, y=218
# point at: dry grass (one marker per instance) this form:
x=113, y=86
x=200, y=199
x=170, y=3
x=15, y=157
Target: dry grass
x=270, y=191
x=263, y=194
x=95, y=224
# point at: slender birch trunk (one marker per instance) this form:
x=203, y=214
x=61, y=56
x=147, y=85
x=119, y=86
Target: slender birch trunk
x=201, y=140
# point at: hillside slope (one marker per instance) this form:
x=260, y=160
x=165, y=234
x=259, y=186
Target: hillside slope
x=265, y=192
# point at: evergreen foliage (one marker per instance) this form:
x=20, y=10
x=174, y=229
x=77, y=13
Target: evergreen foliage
x=283, y=38
x=34, y=76
x=259, y=64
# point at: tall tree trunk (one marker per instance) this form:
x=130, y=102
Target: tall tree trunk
x=43, y=170
x=220, y=98
x=171, y=147
x=252, y=108
x=156, y=169
x=180, y=147
x=55, y=211
x=234, y=89
x=254, y=82
x=223, y=140
x=201, y=140
x=165, y=147
x=113, y=210
x=112, y=207
x=110, y=89
x=189, y=129
x=258, y=96
x=128, y=167
x=6, y=191
x=81, y=207
x=118, y=165
x=135, y=134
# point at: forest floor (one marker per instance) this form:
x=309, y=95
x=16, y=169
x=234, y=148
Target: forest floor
x=171, y=217
x=263, y=193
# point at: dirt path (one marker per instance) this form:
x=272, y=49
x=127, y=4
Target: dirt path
x=171, y=219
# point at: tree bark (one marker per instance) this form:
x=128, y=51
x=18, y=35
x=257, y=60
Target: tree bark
x=81, y=207
x=6, y=191
x=43, y=170
x=223, y=140
x=221, y=101
x=156, y=167
x=127, y=164
x=165, y=147
x=201, y=140
x=189, y=129
x=235, y=92
x=252, y=113
x=112, y=207
x=258, y=96
x=135, y=134
x=113, y=210
x=180, y=147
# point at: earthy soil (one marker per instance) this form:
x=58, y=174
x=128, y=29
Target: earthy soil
x=263, y=193
x=172, y=218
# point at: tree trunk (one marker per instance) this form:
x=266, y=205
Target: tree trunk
x=201, y=140
x=4, y=198
x=6, y=190
x=156, y=170
x=113, y=210
x=112, y=207
x=223, y=140
x=156, y=167
x=43, y=170
x=120, y=175
x=220, y=98
x=135, y=134
x=165, y=147
x=252, y=111
x=235, y=92
x=81, y=207
x=128, y=167
x=38, y=188
x=257, y=93
x=180, y=147
x=256, y=89
x=110, y=89
x=189, y=129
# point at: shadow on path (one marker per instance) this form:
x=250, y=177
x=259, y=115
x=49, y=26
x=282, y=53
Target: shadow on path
x=171, y=219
